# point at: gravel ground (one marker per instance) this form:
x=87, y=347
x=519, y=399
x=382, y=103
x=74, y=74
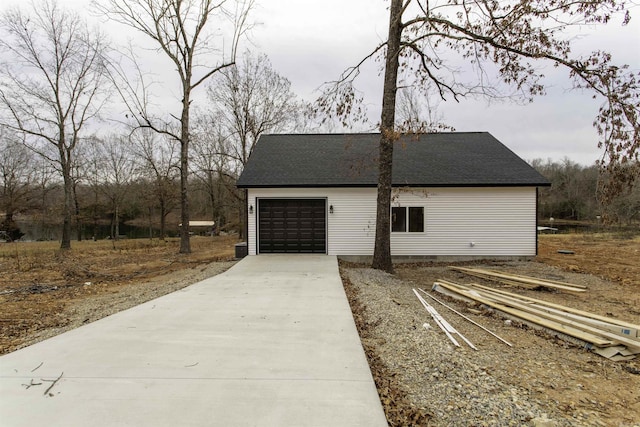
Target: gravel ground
x=539, y=382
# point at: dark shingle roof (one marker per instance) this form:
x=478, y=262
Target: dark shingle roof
x=458, y=159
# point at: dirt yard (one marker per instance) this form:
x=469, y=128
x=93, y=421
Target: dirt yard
x=539, y=381
x=422, y=380
x=45, y=291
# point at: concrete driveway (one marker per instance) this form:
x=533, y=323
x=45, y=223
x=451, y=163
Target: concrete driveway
x=271, y=342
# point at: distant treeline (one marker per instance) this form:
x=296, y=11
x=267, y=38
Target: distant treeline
x=115, y=186
x=574, y=195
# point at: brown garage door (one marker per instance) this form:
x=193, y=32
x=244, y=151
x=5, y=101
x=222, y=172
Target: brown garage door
x=292, y=226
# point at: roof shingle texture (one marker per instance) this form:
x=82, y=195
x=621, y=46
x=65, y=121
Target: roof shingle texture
x=457, y=159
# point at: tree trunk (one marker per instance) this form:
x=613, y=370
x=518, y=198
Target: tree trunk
x=76, y=211
x=95, y=214
x=112, y=231
x=68, y=205
x=185, y=243
x=212, y=197
x=116, y=220
x=150, y=224
x=163, y=219
x=382, y=250
x=219, y=211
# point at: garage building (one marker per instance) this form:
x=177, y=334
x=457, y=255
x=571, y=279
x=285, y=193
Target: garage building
x=458, y=194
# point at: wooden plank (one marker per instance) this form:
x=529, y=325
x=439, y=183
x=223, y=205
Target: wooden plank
x=612, y=321
x=528, y=308
x=531, y=281
x=472, y=294
x=461, y=297
x=631, y=343
x=618, y=330
x=565, y=329
x=523, y=277
x=494, y=275
x=606, y=326
x=495, y=279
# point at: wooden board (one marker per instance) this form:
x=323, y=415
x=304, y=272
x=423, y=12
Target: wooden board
x=526, y=280
x=565, y=329
x=612, y=321
x=532, y=309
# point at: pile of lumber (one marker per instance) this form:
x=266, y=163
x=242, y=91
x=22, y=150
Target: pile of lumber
x=611, y=338
x=519, y=280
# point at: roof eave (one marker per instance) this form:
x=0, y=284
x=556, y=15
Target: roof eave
x=432, y=185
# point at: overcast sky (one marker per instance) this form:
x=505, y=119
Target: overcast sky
x=309, y=43
x=313, y=41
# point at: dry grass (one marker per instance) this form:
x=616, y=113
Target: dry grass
x=103, y=261
x=42, y=287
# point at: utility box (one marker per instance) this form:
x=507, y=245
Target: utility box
x=242, y=250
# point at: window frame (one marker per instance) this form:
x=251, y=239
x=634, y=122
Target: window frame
x=407, y=223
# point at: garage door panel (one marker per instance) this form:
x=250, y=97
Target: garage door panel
x=292, y=226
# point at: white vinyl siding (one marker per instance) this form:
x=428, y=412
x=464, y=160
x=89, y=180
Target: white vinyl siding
x=481, y=221
x=471, y=221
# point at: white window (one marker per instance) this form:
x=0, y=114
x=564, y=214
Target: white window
x=407, y=219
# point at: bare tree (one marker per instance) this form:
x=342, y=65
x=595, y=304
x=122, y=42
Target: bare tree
x=16, y=181
x=178, y=28
x=572, y=194
x=622, y=204
x=382, y=249
x=417, y=113
x=80, y=174
x=52, y=86
x=626, y=209
x=93, y=166
x=210, y=166
x=248, y=100
x=159, y=163
x=47, y=185
x=506, y=38
x=118, y=170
